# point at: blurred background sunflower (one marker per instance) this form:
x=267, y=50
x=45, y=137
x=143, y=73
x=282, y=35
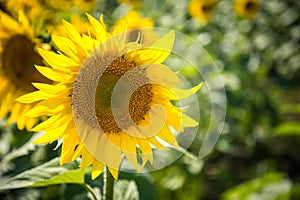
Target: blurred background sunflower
x=246, y=8
x=138, y=28
x=202, y=9
x=18, y=44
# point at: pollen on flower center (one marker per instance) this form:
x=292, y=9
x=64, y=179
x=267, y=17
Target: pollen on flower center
x=139, y=100
x=207, y=8
x=250, y=6
x=93, y=93
x=18, y=60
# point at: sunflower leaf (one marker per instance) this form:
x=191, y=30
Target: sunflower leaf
x=16, y=153
x=288, y=128
x=272, y=185
x=49, y=173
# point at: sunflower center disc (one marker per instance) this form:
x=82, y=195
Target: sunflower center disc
x=110, y=94
x=139, y=100
x=250, y=6
x=18, y=60
x=207, y=8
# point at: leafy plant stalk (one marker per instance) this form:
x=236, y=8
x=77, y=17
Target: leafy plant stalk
x=108, y=185
x=90, y=190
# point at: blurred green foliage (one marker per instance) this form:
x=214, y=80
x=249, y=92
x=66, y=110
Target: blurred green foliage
x=257, y=156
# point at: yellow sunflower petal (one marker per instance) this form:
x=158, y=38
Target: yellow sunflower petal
x=91, y=140
x=89, y=42
x=112, y=151
x=97, y=169
x=188, y=122
x=8, y=22
x=52, y=122
x=22, y=121
x=30, y=122
x=109, y=153
x=23, y=19
x=3, y=35
x=159, y=51
x=156, y=143
x=51, y=89
x=66, y=152
x=101, y=33
x=59, y=61
x=114, y=172
x=128, y=145
x=161, y=74
x=68, y=147
x=146, y=151
x=75, y=36
x=79, y=147
x=182, y=93
x=52, y=135
x=167, y=136
x=55, y=75
x=87, y=158
x=49, y=106
x=15, y=112
x=66, y=46
x=32, y=97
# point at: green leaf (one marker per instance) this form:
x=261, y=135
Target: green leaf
x=73, y=176
x=289, y=128
x=144, y=182
x=16, y=153
x=268, y=187
x=125, y=190
x=49, y=173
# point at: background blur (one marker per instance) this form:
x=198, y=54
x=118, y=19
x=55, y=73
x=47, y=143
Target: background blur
x=256, y=157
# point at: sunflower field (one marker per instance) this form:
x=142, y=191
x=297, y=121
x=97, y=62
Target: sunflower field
x=149, y=99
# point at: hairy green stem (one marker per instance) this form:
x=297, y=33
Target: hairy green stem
x=108, y=185
x=90, y=190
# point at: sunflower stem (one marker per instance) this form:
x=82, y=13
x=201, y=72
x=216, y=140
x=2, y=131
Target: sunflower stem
x=108, y=185
x=90, y=190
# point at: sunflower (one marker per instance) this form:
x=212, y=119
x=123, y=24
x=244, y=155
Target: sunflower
x=85, y=5
x=65, y=5
x=15, y=5
x=202, y=9
x=246, y=8
x=139, y=28
x=62, y=5
x=111, y=97
x=18, y=56
x=33, y=7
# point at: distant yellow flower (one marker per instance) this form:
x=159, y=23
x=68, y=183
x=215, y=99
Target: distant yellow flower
x=82, y=5
x=134, y=3
x=246, y=8
x=202, y=9
x=32, y=7
x=17, y=50
x=16, y=5
x=85, y=5
x=61, y=5
x=111, y=97
x=137, y=26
